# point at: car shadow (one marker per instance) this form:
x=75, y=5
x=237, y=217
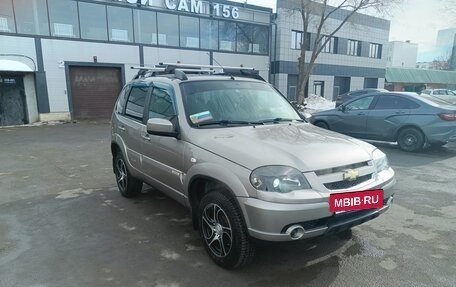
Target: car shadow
x=312, y=261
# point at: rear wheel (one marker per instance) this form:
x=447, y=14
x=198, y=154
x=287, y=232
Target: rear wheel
x=128, y=185
x=223, y=231
x=410, y=139
x=322, y=125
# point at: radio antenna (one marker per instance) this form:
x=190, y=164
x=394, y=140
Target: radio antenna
x=215, y=60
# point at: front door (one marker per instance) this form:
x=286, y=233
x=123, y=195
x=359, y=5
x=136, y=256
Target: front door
x=13, y=110
x=353, y=119
x=163, y=156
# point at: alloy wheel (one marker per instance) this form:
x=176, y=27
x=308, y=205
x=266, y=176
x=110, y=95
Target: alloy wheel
x=121, y=174
x=217, y=230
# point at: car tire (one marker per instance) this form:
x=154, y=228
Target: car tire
x=410, y=139
x=223, y=231
x=322, y=125
x=128, y=185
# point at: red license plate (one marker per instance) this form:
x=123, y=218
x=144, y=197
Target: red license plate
x=350, y=201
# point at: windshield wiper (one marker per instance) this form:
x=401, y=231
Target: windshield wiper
x=279, y=120
x=228, y=122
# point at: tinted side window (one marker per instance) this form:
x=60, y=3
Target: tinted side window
x=136, y=101
x=122, y=97
x=361, y=104
x=161, y=104
x=394, y=102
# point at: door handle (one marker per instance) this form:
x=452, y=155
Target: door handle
x=400, y=113
x=146, y=137
x=361, y=114
x=122, y=128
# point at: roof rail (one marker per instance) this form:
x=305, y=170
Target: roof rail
x=180, y=70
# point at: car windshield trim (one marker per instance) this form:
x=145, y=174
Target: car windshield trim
x=228, y=122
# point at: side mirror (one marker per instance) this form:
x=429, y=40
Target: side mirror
x=341, y=108
x=161, y=127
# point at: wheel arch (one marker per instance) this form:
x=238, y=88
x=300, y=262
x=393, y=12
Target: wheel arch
x=409, y=126
x=208, y=178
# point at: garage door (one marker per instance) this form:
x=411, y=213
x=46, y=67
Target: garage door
x=94, y=91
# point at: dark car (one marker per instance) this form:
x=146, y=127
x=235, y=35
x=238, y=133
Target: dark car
x=353, y=94
x=406, y=118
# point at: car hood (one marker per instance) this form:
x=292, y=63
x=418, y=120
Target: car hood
x=299, y=145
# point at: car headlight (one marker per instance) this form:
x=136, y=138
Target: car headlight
x=277, y=178
x=380, y=160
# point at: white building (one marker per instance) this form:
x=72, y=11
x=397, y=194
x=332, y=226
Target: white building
x=68, y=59
x=401, y=54
x=353, y=60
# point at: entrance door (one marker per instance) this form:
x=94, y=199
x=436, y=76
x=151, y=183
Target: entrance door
x=94, y=91
x=13, y=109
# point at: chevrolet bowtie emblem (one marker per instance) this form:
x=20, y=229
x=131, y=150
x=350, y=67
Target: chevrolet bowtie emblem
x=351, y=175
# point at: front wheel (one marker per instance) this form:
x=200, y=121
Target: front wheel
x=128, y=185
x=223, y=231
x=410, y=139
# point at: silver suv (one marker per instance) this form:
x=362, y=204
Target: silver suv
x=240, y=157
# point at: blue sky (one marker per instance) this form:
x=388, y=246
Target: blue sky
x=415, y=20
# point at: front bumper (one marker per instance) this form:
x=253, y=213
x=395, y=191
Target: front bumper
x=270, y=221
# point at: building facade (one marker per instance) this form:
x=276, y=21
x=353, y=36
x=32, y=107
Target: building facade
x=353, y=59
x=401, y=54
x=68, y=59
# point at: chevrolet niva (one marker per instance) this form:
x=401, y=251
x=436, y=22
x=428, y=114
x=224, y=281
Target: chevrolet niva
x=231, y=148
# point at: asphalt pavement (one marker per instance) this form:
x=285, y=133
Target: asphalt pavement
x=64, y=223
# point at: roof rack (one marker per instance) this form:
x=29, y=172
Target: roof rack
x=180, y=71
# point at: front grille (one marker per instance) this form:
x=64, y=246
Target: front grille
x=344, y=184
x=341, y=168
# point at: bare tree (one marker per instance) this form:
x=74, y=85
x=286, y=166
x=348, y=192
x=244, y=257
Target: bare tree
x=315, y=15
x=442, y=62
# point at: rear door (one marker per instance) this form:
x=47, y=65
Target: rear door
x=131, y=126
x=352, y=121
x=388, y=114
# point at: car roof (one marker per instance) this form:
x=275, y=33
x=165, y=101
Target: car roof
x=191, y=78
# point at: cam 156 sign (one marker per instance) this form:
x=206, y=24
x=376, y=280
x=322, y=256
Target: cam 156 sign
x=193, y=6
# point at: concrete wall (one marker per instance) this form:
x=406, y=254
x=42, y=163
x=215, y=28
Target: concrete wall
x=401, y=54
x=21, y=46
x=356, y=83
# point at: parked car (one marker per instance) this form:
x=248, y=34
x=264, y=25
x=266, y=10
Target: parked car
x=443, y=94
x=353, y=94
x=239, y=156
x=405, y=118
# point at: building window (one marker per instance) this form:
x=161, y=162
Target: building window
x=168, y=29
x=209, y=34
x=244, y=36
x=7, y=17
x=120, y=24
x=296, y=40
x=354, y=48
x=31, y=17
x=63, y=16
x=375, y=50
x=260, y=40
x=330, y=46
x=189, y=32
x=145, y=27
x=227, y=36
x=319, y=88
x=93, y=21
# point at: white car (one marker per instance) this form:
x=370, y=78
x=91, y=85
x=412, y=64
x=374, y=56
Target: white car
x=443, y=94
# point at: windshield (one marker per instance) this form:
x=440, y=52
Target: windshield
x=228, y=102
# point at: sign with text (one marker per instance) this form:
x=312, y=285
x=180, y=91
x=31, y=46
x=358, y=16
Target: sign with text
x=192, y=6
x=351, y=201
